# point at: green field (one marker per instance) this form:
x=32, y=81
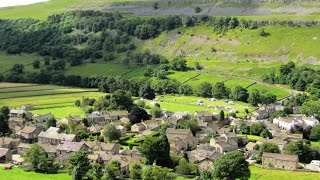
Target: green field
x=250, y=137
x=43, y=10
x=20, y=174
x=271, y=174
x=7, y=61
x=189, y=104
x=315, y=144
x=45, y=98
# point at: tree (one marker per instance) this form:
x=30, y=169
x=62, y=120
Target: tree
x=257, y=128
x=146, y=92
x=39, y=160
x=185, y=89
x=156, y=149
x=121, y=100
x=17, y=68
x=189, y=124
x=135, y=171
x=4, y=126
x=205, y=89
x=113, y=170
x=95, y=172
x=155, y=5
x=219, y=91
x=315, y=133
x=310, y=107
x=179, y=64
x=77, y=103
x=303, y=149
x=269, y=148
x=254, y=97
x=221, y=117
x=36, y=64
x=186, y=168
x=155, y=112
x=137, y=114
x=263, y=32
x=244, y=128
x=266, y=133
x=79, y=164
x=110, y=133
x=239, y=94
x=197, y=65
x=157, y=173
x=232, y=165
x=52, y=122
x=197, y=9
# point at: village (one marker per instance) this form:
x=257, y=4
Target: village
x=216, y=136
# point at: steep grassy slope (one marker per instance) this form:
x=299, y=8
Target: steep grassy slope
x=43, y=10
x=202, y=43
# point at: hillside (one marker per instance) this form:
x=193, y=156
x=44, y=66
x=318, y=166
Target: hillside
x=292, y=8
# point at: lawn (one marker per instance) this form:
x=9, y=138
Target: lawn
x=19, y=174
x=250, y=137
x=89, y=69
x=7, y=61
x=272, y=174
x=315, y=144
x=189, y=104
x=58, y=101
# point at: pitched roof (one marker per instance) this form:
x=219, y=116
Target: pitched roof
x=28, y=129
x=107, y=146
x=204, y=113
x=283, y=157
x=178, y=131
x=3, y=151
x=70, y=146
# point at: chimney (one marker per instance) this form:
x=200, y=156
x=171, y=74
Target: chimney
x=2, y=139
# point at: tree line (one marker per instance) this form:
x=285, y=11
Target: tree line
x=301, y=78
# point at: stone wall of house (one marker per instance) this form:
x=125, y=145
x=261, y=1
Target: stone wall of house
x=281, y=164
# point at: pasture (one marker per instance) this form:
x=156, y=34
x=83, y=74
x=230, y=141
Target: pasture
x=20, y=174
x=89, y=69
x=46, y=98
x=271, y=174
x=189, y=104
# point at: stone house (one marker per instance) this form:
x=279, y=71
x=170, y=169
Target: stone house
x=250, y=146
x=9, y=143
x=20, y=113
x=287, y=122
x=42, y=118
x=5, y=155
x=280, y=161
x=29, y=134
x=204, y=117
x=260, y=114
x=76, y=119
x=23, y=148
x=138, y=127
x=226, y=142
x=54, y=137
x=26, y=107
x=178, y=133
x=66, y=148
x=114, y=115
x=204, y=158
x=110, y=148
x=96, y=118
x=50, y=149
x=16, y=123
